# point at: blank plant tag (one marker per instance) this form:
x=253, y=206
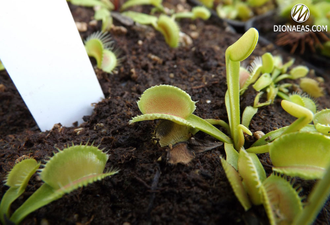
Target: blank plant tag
x=44, y=55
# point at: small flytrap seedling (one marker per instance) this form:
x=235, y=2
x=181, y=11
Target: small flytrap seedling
x=298, y=150
x=67, y=170
x=99, y=46
x=166, y=25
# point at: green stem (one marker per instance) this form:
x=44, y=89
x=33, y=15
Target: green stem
x=208, y=128
x=220, y=123
x=9, y=197
x=233, y=94
x=38, y=199
x=316, y=200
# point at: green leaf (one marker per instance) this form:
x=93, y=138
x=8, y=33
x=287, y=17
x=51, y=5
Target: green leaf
x=17, y=180
x=208, y=128
x=236, y=184
x=253, y=174
x=231, y=155
x=281, y=200
x=302, y=154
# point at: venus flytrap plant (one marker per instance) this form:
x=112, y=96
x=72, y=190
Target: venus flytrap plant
x=17, y=181
x=66, y=171
x=99, y=46
x=171, y=103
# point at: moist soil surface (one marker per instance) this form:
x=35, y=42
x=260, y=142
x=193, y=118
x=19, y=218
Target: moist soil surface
x=148, y=189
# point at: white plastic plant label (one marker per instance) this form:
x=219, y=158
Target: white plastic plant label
x=44, y=55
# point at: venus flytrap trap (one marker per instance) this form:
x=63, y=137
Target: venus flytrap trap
x=99, y=46
x=311, y=87
x=67, y=170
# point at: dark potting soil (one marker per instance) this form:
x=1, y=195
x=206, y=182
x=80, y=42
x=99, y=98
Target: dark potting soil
x=148, y=189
